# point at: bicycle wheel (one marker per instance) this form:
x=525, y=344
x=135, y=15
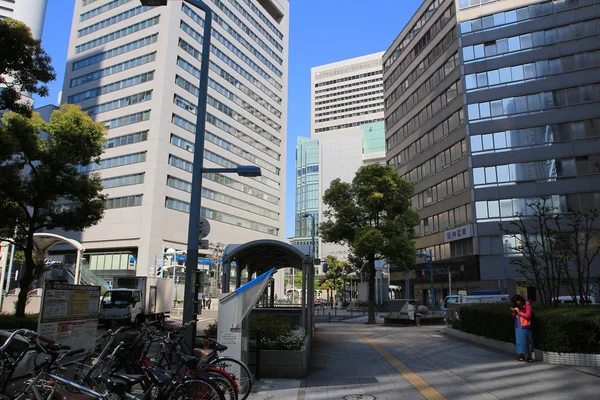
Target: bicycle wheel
x=238, y=371
x=197, y=389
x=223, y=380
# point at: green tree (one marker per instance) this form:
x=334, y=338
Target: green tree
x=337, y=273
x=23, y=65
x=40, y=184
x=373, y=216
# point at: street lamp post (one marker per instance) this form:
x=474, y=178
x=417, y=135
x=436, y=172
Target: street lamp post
x=502, y=243
x=308, y=291
x=192, y=277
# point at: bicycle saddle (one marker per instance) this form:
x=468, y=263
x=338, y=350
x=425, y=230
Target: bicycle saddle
x=129, y=378
x=201, y=353
x=189, y=361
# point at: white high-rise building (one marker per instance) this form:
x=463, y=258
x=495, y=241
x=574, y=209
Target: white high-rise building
x=30, y=12
x=347, y=132
x=136, y=69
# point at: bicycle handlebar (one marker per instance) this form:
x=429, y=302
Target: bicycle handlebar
x=21, y=332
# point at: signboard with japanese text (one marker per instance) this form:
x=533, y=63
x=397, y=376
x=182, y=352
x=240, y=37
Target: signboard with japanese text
x=69, y=314
x=459, y=233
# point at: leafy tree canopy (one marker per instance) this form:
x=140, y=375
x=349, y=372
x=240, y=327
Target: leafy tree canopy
x=40, y=184
x=23, y=65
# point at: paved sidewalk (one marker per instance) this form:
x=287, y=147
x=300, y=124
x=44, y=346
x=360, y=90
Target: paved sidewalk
x=391, y=363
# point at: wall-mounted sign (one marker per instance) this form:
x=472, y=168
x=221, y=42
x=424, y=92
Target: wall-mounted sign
x=459, y=233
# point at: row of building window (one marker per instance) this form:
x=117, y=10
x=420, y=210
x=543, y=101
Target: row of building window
x=373, y=96
x=236, y=35
x=531, y=40
x=112, y=87
x=419, y=46
x=224, y=144
x=242, y=187
x=421, y=92
x=457, y=248
x=444, y=158
x=232, y=80
x=222, y=198
x=184, y=206
x=119, y=103
x=125, y=201
x=351, y=115
x=248, y=31
x=112, y=20
x=232, y=64
x=242, y=103
x=375, y=102
x=331, y=91
x=347, y=125
x=112, y=162
x=345, y=79
x=537, y=171
x=112, y=261
x=127, y=119
x=533, y=103
x=446, y=220
x=185, y=104
x=474, y=3
x=117, y=34
x=311, y=169
x=263, y=17
x=254, y=22
x=509, y=209
x=125, y=140
x=102, y=9
x=520, y=15
x=441, y=101
x=531, y=71
x=414, y=30
x=113, y=69
x=441, y=191
x=431, y=82
x=123, y=180
x=225, y=92
x=86, y=2
x=440, y=131
x=221, y=38
x=224, y=126
x=535, y=137
x=361, y=93
x=126, y=48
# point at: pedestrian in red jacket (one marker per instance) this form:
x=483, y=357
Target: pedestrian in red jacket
x=523, y=336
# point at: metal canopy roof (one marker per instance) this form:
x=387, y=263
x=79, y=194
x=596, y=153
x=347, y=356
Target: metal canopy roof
x=261, y=255
x=45, y=241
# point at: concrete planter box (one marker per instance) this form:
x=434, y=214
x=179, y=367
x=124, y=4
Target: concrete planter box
x=284, y=363
x=588, y=360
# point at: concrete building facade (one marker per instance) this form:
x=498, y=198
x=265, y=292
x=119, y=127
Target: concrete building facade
x=478, y=119
x=136, y=69
x=30, y=12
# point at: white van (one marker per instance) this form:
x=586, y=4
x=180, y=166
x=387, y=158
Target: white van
x=569, y=300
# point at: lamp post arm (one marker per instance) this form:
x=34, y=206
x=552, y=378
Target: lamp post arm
x=192, y=280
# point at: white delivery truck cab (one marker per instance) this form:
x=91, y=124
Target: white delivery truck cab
x=134, y=300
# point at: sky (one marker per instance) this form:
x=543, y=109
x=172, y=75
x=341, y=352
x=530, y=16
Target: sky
x=321, y=32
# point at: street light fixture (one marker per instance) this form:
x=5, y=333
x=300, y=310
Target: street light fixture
x=192, y=277
x=430, y=265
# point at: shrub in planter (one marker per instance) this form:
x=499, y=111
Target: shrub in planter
x=276, y=333
x=565, y=329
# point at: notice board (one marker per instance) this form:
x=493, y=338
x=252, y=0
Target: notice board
x=69, y=314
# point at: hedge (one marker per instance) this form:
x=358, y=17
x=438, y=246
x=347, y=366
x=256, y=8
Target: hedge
x=566, y=329
x=9, y=321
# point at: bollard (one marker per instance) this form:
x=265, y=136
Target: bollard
x=329, y=317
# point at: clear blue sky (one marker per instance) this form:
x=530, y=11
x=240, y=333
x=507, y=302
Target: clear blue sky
x=321, y=32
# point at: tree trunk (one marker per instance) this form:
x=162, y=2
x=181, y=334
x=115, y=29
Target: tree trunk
x=371, y=319
x=26, y=279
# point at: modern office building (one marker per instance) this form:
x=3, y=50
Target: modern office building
x=136, y=70
x=489, y=105
x=30, y=12
x=346, y=132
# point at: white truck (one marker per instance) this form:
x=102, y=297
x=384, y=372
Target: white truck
x=134, y=300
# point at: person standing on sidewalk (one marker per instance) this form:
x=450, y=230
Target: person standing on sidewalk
x=523, y=315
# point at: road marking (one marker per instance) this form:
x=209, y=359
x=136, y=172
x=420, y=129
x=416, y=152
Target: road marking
x=414, y=379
